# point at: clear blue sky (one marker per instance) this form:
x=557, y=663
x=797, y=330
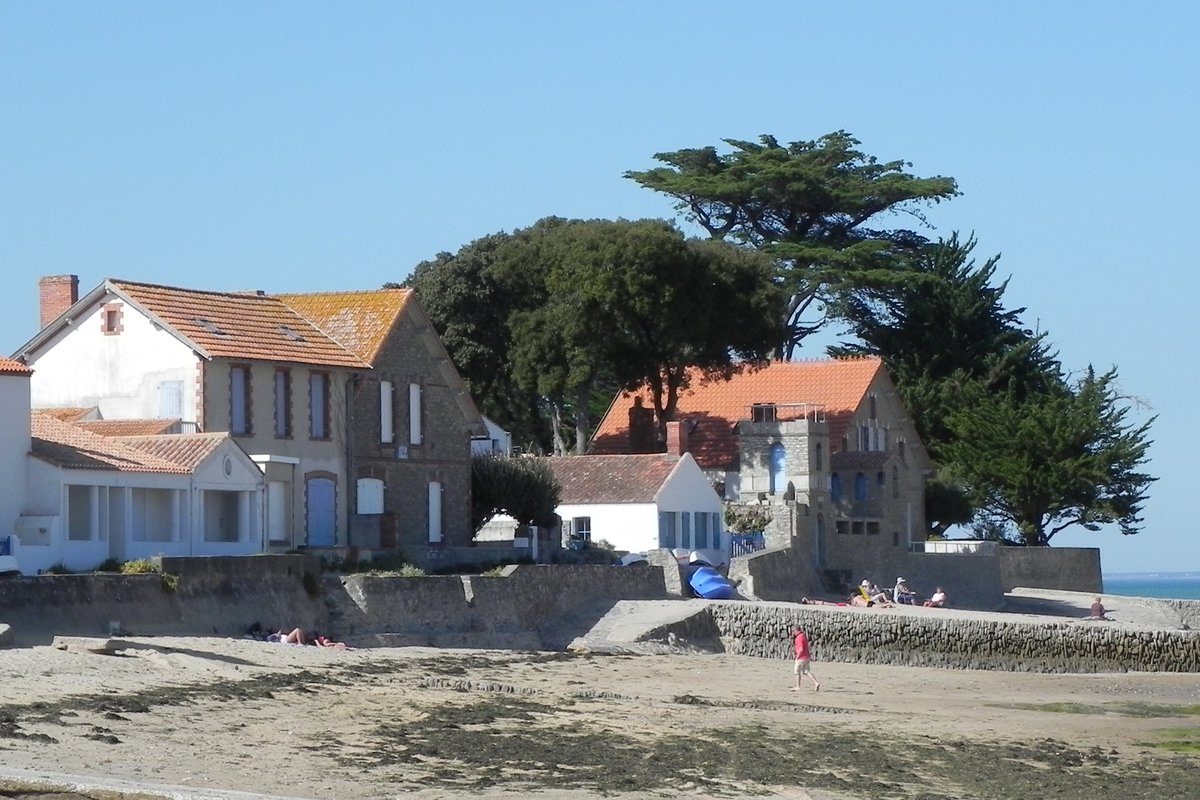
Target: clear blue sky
x=317, y=146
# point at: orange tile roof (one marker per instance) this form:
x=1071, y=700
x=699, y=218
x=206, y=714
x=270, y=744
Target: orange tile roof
x=188, y=450
x=239, y=325
x=10, y=366
x=71, y=447
x=835, y=386
x=71, y=414
x=359, y=321
x=127, y=427
x=611, y=479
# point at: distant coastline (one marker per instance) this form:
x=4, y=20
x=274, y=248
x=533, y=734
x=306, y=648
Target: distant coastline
x=1165, y=585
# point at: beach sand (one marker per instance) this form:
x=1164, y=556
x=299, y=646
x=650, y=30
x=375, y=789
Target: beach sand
x=205, y=717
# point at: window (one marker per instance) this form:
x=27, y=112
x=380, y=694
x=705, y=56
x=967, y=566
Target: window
x=820, y=460
x=871, y=402
x=685, y=530
x=387, y=431
x=715, y=527
x=835, y=487
x=881, y=479
x=283, y=404
x=110, y=319
x=318, y=405
x=778, y=468
x=872, y=527
x=170, y=400
x=582, y=530
x=762, y=412
x=701, y=531
x=857, y=527
x=842, y=526
x=860, y=487
x=239, y=401
x=895, y=482
x=435, y=512
x=666, y=529
x=414, y=413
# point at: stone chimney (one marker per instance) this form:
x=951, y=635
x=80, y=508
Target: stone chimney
x=57, y=293
x=677, y=437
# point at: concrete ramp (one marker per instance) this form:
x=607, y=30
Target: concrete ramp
x=652, y=626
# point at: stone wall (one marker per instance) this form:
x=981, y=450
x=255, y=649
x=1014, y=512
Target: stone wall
x=1075, y=569
x=764, y=630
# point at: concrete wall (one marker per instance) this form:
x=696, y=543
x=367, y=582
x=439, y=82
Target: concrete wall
x=1075, y=569
x=858, y=635
x=528, y=607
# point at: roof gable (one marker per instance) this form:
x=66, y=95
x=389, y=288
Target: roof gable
x=831, y=388
x=612, y=478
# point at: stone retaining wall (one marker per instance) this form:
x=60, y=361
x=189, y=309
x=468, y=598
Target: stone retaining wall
x=764, y=630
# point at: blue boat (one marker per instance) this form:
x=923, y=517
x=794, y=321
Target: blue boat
x=706, y=582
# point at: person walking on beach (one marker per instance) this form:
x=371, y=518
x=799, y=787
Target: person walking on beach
x=802, y=665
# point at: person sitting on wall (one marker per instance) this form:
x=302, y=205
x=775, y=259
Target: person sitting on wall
x=937, y=599
x=903, y=594
x=874, y=595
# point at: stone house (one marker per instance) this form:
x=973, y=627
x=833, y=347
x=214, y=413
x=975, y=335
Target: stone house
x=411, y=424
x=346, y=401
x=826, y=444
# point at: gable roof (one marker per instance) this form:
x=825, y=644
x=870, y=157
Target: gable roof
x=72, y=414
x=188, y=450
x=126, y=427
x=613, y=478
x=250, y=326
x=72, y=447
x=359, y=321
x=832, y=388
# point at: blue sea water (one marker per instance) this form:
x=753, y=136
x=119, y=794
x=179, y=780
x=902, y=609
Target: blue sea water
x=1172, y=585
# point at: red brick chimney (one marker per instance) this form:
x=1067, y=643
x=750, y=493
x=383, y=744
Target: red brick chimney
x=677, y=437
x=57, y=293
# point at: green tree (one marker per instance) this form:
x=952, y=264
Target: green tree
x=640, y=304
x=941, y=327
x=1051, y=459
x=812, y=205
x=470, y=307
x=522, y=487
x=569, y=311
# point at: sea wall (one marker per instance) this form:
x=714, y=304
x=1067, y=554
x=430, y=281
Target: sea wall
x=764, y=630
x=1075, y=569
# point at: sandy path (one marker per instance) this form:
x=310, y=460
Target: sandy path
x=234, y=715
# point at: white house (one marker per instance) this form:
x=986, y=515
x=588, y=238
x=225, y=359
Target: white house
x=76, y=498
x=497, y=440
x=641, y=502
x=90, y=498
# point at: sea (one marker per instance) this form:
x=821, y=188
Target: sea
x=1170, y=585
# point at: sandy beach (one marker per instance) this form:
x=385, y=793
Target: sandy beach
x=194, y=717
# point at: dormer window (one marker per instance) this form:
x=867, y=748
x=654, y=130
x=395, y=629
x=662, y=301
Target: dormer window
x=290, y=334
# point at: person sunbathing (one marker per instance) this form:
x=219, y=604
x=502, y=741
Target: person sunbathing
x=294, y=636
x=937, y=599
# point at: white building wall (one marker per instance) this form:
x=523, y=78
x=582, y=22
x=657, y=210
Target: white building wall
x=120, y=374
x=626, y=526
x=14, y=447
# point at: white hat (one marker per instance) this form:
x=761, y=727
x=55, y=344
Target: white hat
x=899, y=580
x=866, y=582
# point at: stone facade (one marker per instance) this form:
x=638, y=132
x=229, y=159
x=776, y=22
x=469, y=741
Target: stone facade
x=408, y=465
